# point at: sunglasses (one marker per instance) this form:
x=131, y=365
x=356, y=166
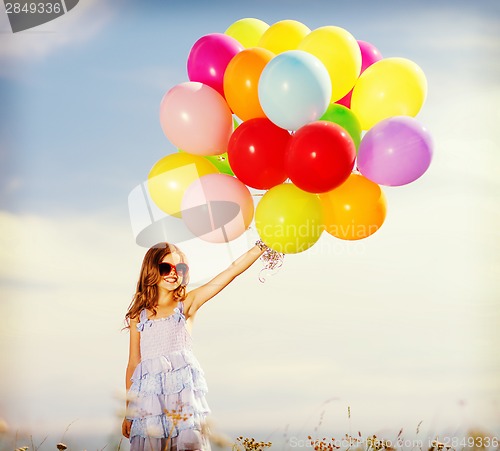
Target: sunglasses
x=166, y=268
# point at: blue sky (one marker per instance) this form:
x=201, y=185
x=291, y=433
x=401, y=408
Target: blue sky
x=401, y=327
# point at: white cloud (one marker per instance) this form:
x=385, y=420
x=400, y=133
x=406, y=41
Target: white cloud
x=478, y=32
x=80, y=24
x=68, y=249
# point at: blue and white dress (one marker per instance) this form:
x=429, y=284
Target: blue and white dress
x=168, y=380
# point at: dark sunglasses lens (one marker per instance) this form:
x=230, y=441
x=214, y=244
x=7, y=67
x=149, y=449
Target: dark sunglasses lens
x=182, y=268
x=165, y=268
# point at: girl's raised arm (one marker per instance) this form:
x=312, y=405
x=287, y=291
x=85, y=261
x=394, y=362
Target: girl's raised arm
x=197, y=297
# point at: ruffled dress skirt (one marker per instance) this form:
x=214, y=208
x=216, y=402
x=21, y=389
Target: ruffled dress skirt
x=167, y=402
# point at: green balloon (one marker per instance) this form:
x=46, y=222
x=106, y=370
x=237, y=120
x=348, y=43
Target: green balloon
x=235, y=123
x=221, y=162
x=343, y=116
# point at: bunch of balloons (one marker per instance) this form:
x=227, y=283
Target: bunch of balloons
x=315, y=118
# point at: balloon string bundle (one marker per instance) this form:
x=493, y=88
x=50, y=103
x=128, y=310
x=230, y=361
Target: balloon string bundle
x=273, y=260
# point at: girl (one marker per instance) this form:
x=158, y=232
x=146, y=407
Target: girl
x=166, y=406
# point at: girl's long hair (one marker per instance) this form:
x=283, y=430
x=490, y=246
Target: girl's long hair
x=146, y=294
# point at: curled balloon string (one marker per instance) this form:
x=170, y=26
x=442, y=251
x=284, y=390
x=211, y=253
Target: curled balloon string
x=273, y=261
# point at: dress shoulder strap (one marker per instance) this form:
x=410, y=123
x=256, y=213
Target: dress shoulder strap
x=143, y=316
x=180, y=304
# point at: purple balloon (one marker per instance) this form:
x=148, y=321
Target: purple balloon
x=209, y=57
x=395, y=152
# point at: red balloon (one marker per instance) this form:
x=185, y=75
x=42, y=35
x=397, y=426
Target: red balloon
x=346, y=100
x=320, y=156
x=256, y=153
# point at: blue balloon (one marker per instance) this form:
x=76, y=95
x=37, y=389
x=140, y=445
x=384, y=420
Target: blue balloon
x=294, y=89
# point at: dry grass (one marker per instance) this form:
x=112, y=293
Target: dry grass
x=250, y=444
x=472, y=440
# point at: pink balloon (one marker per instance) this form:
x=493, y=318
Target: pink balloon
x=217, y=208
x=196, y=119
x=369, y=55
x=209, y=57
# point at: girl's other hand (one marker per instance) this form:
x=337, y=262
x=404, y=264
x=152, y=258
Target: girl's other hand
x=126, y=427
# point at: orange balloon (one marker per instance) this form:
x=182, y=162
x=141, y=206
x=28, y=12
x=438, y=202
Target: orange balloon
x=241, y=82
x=354, y=210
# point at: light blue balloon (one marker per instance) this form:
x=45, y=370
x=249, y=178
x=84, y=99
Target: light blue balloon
x=294, y=89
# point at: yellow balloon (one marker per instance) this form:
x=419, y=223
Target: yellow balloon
x=339, y=51
x=247, y=31
x=288, y=219
x=171, y=176
x=283, y=35
x=389, y=87
x=354, y=210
